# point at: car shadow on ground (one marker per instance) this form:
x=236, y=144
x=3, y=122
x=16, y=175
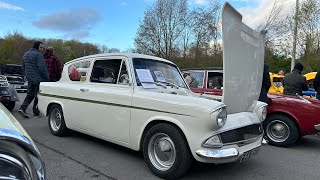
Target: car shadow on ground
x=308, y=142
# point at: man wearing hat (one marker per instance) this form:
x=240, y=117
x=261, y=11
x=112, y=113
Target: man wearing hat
x=294, y=83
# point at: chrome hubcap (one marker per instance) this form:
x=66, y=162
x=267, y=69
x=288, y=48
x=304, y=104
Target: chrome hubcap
x=278, y=131
x=161, y=151
x=55, y=119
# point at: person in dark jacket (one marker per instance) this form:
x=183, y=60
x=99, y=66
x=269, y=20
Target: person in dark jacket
x=53, y=64
x=294, y=83
x=265, y=85
x=316, y=84
x=36, y=71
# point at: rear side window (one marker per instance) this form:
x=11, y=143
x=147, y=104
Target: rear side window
x=215, y=80
x=78, y=71
x=106, y=71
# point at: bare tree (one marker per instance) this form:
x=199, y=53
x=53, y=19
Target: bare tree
x=205, y=28
x=161, y=28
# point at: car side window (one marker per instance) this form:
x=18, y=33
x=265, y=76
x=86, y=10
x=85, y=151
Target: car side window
x=215, y=80
x=78, y=71
x=196, y=79
x=106, y=71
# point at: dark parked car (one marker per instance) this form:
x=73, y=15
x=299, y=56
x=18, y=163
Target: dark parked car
x=8, y=95
x=15, y=76
x=19, y=156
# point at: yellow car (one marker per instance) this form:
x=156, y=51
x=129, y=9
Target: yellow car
x=276, y=84
x=310, y=77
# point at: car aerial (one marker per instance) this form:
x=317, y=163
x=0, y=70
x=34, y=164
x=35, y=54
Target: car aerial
x=19, y=156
x=142, y=102
x=15, y=76
x=8, y=94
x=288, y=118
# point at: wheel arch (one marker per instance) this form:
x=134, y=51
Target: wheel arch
x=51, y=104
x=159, y=121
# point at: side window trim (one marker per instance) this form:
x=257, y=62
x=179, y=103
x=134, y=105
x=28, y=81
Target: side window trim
x=120, y=71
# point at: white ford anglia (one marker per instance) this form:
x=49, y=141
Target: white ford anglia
x=143, y=103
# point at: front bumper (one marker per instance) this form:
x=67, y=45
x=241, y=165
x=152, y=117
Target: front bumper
x=233, y=144
x=317, y=127
x=227, y=154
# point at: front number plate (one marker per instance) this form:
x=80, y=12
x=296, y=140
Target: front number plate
x=246, y=155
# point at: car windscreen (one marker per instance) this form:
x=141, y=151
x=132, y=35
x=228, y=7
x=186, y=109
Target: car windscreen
x=12, y=70
x=159, y=70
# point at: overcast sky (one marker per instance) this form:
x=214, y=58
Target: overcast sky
x=107, y=22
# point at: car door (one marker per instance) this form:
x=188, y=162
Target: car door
x=72, y=96
x=109, y=96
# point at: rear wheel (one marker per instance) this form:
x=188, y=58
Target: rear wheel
x=56, y=121
x=166, y=151
x=9, y=105
x=281, y=130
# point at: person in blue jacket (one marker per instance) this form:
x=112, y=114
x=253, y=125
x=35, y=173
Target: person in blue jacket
x=36, y=71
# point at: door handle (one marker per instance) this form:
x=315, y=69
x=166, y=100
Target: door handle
x=84, y=90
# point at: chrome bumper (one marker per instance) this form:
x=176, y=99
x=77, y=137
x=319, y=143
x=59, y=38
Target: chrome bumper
x=223, y=153
x=317, y=127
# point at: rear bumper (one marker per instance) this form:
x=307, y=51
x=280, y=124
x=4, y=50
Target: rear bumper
x=317, y=127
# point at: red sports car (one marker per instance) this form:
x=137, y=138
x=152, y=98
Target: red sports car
x=288, y=119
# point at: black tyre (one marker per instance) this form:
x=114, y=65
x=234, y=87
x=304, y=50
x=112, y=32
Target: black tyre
x=9, y=105
x=280, y=130
x=56, y=121
x=166, y=151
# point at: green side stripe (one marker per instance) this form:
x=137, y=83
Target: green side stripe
x=107, y=103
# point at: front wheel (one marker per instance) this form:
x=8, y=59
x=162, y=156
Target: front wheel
x=281, y=130
x=57, y=124
x=166, y=151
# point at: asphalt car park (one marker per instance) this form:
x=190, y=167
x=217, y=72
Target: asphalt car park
x=79, y=156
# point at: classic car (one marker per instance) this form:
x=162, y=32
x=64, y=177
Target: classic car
x=15, y=76
x=8, y=94
x=19, y=156
x=288, y=118
x=142, y=102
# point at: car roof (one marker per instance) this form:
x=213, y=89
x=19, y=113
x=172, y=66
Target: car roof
x=13, y=65
x=128, y=55
x=203, y=69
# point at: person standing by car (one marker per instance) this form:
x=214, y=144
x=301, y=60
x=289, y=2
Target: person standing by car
x=53, y=64
x=265, y=84
x=316, y=84
x=294, y=83
x=281, y=72
x=36, y=71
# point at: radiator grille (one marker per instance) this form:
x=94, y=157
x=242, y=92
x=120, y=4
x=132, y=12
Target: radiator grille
x=241, y=134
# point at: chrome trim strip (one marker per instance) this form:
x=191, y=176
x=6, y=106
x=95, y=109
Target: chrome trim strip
x=217, y=108
x=15, y=136
x=15, y=161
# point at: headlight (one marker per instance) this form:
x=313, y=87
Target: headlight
x=221, y=116
x=262, y=113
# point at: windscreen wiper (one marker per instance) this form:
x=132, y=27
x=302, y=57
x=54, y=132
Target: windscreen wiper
x=156, y=83
x=169, y=84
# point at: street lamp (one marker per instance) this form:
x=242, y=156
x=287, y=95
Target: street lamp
x=295, y=32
